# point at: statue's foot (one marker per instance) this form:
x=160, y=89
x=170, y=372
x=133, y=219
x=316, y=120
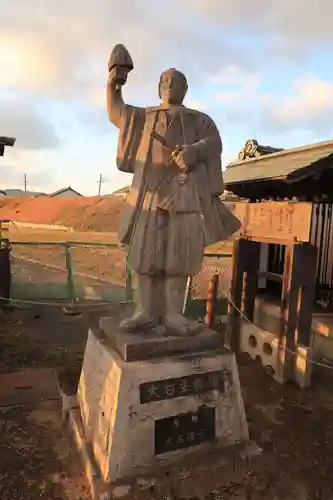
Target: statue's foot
x=139, y=323
x=181, y=326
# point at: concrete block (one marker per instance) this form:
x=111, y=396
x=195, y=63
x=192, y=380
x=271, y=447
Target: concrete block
x=304, y=366
x=260, y=343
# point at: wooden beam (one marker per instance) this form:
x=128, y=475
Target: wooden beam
x=232, y=335
x=308, y=265
x=272, y=241
x=289, y=315
x=297, y=301
x=252, y=249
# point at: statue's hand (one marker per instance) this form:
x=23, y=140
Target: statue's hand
x=118, y=76
x=184, y=157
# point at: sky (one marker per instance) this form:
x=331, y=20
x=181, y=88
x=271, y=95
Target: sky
x=261, y=69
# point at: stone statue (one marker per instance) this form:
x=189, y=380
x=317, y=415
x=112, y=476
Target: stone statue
x=173, y=210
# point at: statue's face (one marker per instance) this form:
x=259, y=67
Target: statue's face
x=173, y=87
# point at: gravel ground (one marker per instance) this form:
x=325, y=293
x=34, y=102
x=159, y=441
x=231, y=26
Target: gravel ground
x=294, y=428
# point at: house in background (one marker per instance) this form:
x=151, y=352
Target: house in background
x=14, y=193
x=66, y=192
x=61, y=193
x=122, y=192
x=229, y=196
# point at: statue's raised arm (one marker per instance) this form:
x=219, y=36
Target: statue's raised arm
x=120, y=64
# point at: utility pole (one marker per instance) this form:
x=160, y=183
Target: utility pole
x=25, y=182
x=100, y=182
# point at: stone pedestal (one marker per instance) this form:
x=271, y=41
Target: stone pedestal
x=146, y=413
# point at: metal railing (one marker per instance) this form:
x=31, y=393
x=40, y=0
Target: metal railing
x=38, y=272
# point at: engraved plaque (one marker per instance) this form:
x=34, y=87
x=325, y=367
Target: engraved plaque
x=183, y=386
x=185, y=430
x=277, y=220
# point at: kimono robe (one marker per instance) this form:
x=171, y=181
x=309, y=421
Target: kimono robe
x=167, y=223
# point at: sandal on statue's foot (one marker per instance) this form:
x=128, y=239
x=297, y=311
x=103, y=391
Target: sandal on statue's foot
x=139, y=323
x=181, y=326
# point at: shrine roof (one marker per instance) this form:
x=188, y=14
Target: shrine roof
x=288, y=164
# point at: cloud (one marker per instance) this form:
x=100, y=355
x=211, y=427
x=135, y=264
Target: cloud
x=308, y=106
x=195, y=104
x=292, y=26
x=305, y=107
x=62, y=47
x=237, y=75
x=58, y=50
x=21, y=119
x=238, y=92
x=25, y=62
x=96, y=97
x=13, y=177
x=16, y=163
x=238, y=86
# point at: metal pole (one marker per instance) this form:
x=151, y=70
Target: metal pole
x=5, y=272
x=187, y=295
x=70, y=278
x=128, y=272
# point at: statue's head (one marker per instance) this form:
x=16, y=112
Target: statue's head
x=172, y=87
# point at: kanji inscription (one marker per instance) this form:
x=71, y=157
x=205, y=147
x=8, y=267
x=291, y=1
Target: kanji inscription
x=183, y=386
x=185, y=430
x=287, y=221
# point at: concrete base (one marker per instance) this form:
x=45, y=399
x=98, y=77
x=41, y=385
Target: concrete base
x=220, y=466
x=136, y=347
x=143, y=415
x=264, y=345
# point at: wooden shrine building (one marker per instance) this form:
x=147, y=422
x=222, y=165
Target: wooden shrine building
x=282, y=289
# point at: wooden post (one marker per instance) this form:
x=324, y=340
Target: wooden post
x=235, y=303
x=213, y=284
x=298, y=289
x=307, y=267
x=251, y=278
x=298, y=292
x=289, y=314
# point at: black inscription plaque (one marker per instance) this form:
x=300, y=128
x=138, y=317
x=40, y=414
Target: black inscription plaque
x=183, y=386
x=184, y=430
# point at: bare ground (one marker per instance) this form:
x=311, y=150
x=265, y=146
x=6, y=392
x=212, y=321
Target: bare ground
x=293, y=428
x=36, y=459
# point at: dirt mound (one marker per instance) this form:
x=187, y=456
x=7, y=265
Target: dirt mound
x=85, y=214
